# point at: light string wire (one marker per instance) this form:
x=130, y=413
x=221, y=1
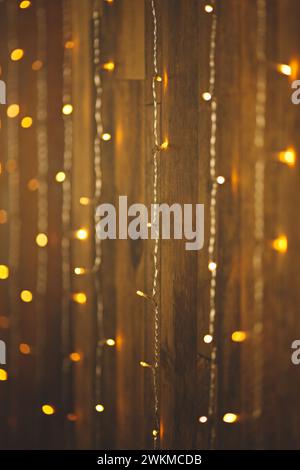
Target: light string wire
x=42, y=157
x=259, y=180
x=66, y=202
x=213, y=223
x=97, y=196
x=14, y=198
x=156, y=152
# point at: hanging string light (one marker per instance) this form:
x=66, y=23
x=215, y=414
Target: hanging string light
x=212, y=264
x=259, y=181
x=42, y=198
x=14, y=199
x=96, y=199
x=156, y=151
x=64, y=178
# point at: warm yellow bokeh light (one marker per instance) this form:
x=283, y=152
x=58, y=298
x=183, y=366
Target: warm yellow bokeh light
x=238, y=336
x=144, y=364
x=288, y=157
x=75, y=357
x=25, y=4
x=13, y=110
x=48, y=410
x=26, y=122
x=69, y=44
x=4, y=271
x=37, y=65
x=17, y=54
x=3, y=375
x=221, y=180
x=109, y=66
x=41, y=240
x=285, y=69
x=206, y=96
x=212, y=266
x=82, y=234
x=164, y=145
x=110, y=342
x=207, y=339
x=203, y=419
x=79, y=297
x=209, y=8
x=230, y=418
x=85, y=201
x=106, y=136
x=79, y=271
x=67, y=109
x=26, y=296
x=24, y=348
x=60, y=176
x=280, y=244
x=99, y=408
x=33, y=184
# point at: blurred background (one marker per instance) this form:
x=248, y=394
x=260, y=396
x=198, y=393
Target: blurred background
x=124, y=343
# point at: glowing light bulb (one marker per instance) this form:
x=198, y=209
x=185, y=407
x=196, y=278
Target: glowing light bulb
x=203, y=419
x=230, y=418
x=26, y=296
x=280, y=244
x=209, y=8
x=75, y=357
x=110, y=342
x=221, y=180
x=48, y=409
x=79, y=271
x=164, y=145
x=13, y=110
x=25, y=4
x=17, y=54
x=60, y=177
x=109, y=66
x=145, y=364
x=67, y=109
x=284, y=69
x=25, y=349
x=207, y=339
x=4, y=271
x=3, y=375
x=106, y=136
x=26, y=122
x=99, y=408
x=212, y=266
x=206, y=96
x=155, y=433
x=79, y=298
x=288, y=157
x=85, y=201
x=82, y=234
x=41, y=240
x=238, y=336
x=158, y=78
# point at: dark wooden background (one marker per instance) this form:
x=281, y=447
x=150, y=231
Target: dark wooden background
x=183, y=48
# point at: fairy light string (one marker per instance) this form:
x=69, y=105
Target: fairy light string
x=66, y=198
x=97, y=196
x=212, y=265
x=42, y=222
x=259, y=180
x=156, y=151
